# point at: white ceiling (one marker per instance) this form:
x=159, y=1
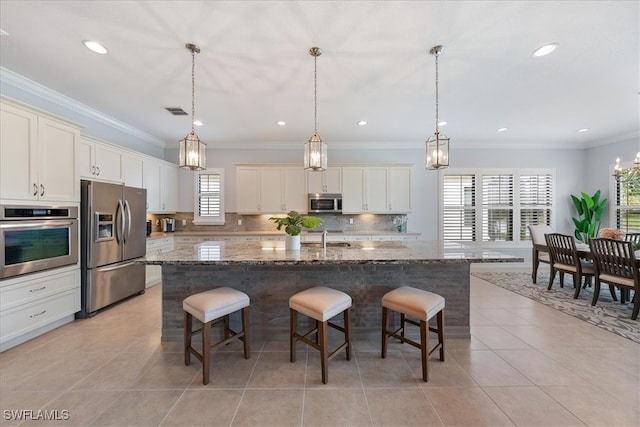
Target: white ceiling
x=255, y=69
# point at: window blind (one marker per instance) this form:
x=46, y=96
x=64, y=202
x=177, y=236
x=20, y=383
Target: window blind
x=497, y=212
x=209, y=197
x=459, y=204
x=536, y=198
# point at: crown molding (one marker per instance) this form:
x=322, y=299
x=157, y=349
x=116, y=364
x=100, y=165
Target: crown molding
x=36, y=89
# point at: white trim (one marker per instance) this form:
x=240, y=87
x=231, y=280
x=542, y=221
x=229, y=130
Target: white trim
x=16, y=80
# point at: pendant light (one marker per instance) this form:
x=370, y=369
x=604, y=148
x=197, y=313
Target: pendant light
x=438, y=143
x=193, y=152
x=315, y=151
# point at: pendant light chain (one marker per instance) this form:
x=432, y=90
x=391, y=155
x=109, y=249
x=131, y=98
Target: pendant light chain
x=437, y=121
x=193, y=89
x=315, y=94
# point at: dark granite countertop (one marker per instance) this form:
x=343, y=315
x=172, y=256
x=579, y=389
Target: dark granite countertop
x=366, y=252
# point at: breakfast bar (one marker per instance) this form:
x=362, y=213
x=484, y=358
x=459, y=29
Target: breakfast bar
x=366, y=270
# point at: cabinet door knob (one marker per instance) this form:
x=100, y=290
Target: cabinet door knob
x=35, y=189
x=98, y=169
x=41, y=190
x=93, y=170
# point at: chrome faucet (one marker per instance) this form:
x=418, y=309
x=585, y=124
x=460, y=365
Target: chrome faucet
x=324, y=238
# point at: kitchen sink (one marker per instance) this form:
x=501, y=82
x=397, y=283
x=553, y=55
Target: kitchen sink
x=329, y=244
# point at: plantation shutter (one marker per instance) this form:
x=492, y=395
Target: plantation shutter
x=497, y=207
x=459, y=204
x=208, y=197
x=536, y=197
x=628, y=204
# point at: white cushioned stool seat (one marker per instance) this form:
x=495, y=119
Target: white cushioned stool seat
x=320, y=303
x=422, y=305
x=209, y=305
x=212, y=307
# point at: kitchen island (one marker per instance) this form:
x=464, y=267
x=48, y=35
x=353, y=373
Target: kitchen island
x=364, y=270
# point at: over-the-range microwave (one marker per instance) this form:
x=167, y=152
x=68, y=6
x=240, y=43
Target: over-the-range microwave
x=325, y=203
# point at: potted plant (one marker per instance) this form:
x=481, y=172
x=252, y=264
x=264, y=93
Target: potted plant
x=590, y=210
x=293, y=224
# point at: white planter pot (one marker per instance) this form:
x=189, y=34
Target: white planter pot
x=292, y=243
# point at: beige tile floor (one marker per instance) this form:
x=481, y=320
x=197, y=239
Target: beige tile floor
x=525, y=364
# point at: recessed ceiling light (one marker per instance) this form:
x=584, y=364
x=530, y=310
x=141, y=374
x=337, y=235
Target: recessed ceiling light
x=583, y=130
x=197, y=123
x=502, y=129
x=95, y=47
x=545, y=50
x=362, y=122
x=442, y=123
x=281, y=123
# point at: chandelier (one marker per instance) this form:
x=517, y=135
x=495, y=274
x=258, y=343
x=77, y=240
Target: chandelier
x=193, y=152
x=626, y=175
x=315, y=151
x=438, y=143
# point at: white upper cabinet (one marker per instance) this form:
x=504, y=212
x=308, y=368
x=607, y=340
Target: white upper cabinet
x=161, y=182
x=327, y=181
x=270, y=189
x=133, y=170
x=100, y=161
x=376, y=189
x=37, y=156
x=400, y=189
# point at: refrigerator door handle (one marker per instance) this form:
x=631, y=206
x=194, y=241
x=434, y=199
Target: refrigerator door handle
x=128, y=210
x=115, y=267
x=120, y=214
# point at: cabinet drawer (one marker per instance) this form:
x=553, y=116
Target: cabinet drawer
x=30, y=290
x=25, y=318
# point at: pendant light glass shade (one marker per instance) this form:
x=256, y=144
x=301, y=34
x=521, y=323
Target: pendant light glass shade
x=438, y=143
x=193, y=152
x=315, y=154
x=437, y=151
x=315, y=151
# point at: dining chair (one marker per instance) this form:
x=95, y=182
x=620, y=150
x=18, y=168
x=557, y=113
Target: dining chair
x=633, y=238
x=539, y=251
x=564, y=258
x=616, y=264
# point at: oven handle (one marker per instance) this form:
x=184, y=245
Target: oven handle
x=116, y=267
x=47, y=224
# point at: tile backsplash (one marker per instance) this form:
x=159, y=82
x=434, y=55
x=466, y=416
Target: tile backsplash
x=341, y=222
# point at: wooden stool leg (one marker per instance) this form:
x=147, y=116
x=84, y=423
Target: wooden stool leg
x=293, y=319
x=225, y=327
x=188, y=330
x=245, y=330
x=206, y=351
x=347, y=337
x=402, y=325
x=322, y=332
x=424, y=348
x=385, y=326
x=440, y=319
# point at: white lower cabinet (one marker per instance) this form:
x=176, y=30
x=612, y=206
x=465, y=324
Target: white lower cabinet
x=153, y=273
x=34, y=304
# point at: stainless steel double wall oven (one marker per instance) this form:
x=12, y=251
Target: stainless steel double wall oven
x=37, y=238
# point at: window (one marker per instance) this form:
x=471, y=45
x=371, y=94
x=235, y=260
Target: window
x=208, y=199
x=486, y=206
x=627, y=205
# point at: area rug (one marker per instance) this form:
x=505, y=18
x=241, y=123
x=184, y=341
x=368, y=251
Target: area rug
x=607, y=314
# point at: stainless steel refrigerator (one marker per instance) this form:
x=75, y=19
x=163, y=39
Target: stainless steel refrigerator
x=113, y=232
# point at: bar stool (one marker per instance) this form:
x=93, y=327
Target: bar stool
x=211, y=307
x=420, y=305
x=321, y=304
